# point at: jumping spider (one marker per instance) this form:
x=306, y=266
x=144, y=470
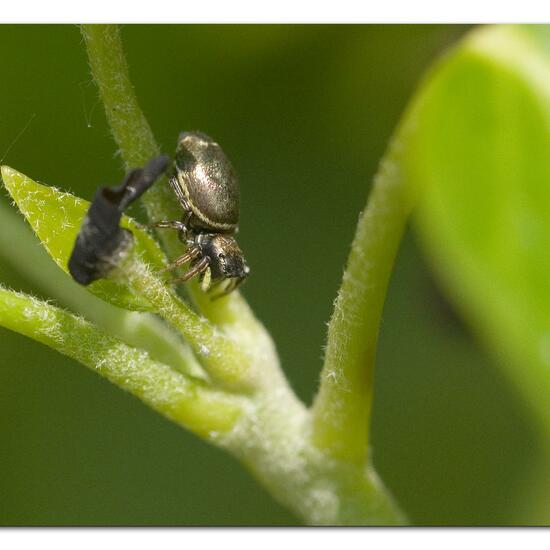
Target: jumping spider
x=206, y=186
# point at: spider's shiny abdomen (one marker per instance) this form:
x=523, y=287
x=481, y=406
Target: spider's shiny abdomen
x=207, y=182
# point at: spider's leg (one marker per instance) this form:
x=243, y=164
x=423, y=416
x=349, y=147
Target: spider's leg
x=199, y=267
x=238, y=282
x=180, y=226
x=191, y=254
x=229, y=287
x=206, y=279
x=174, y=184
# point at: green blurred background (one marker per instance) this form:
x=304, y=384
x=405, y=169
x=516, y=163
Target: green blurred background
x=305, y=114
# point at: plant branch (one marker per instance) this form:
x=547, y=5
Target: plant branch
x=188, y=402
x=341, y=410
x=225, y=361
x=273, y=438
x=128, y=124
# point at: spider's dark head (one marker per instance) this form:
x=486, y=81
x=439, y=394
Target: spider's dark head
x=226, y=258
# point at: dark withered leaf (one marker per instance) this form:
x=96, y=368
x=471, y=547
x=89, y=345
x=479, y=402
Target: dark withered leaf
x=101, y=241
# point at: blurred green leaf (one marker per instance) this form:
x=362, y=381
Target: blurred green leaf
x=480, y=150
x=56, y=216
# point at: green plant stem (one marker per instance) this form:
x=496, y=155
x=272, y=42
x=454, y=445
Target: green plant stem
x=273, y=437
x=341, y=410
x=223, y=358
x=188, y=402
x=128, y=124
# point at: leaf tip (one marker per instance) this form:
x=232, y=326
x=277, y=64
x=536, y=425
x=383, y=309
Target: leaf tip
x=7, y=173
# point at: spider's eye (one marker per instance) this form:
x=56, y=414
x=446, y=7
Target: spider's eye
x=221, y=256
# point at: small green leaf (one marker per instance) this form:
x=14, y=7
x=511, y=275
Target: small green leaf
x=480, y=150
x=56, y=216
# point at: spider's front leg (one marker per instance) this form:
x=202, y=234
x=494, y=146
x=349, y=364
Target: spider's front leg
x=206, y=279
x=199, y=267
x=193, y=251
x=229, y=287
x=180, y=227
x=192, y=254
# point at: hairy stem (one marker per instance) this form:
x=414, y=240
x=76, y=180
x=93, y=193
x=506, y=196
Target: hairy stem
x=128, y=124
x=325, y=482
x=222, y=357
x=342, y=407
x=274, y=440
x=195, y=406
